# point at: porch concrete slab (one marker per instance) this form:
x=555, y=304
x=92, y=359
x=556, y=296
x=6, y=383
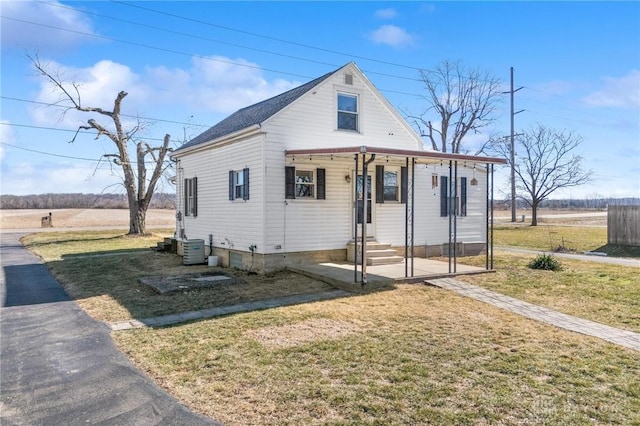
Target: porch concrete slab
x=341, y=274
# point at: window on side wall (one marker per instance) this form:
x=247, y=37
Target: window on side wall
x=450, y=204
x=304, y=184
x=239, y=184
x=347, y=112
x=191, y=197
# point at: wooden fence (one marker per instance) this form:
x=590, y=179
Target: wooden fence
x=623, y=225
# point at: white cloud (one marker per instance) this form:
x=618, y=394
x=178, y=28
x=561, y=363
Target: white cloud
x=388, y=13
x=24, y=35
x=623, y=92
x=393, y=36
x=218, y=84
x=98, y=86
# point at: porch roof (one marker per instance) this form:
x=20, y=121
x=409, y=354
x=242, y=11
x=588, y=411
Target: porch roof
x=403, y=153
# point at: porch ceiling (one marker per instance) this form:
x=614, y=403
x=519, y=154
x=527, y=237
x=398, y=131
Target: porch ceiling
x=419, y=156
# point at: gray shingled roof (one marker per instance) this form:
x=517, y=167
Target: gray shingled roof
x=254, y=114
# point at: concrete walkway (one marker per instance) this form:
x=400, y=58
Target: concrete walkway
x=625, y=338
x=59, y=366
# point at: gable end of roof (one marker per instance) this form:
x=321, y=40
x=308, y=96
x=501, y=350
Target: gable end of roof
x=254, y=114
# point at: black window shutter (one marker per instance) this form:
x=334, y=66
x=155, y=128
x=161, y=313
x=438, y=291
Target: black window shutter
x=320, y=177
x=404, y=184
x=444, y=191
x=379, y=184
x=245, y=190
x=195, y=196
x=463, y=196
x=186, y=197
x=231, y=186
x=289, y=182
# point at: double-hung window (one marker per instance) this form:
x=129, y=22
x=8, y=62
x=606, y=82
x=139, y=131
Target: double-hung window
x=191, y=197
x=391, y=185
x=239, y=184
x=305, y=187
x=304, y=183
x=347, y=112
x=448, y=203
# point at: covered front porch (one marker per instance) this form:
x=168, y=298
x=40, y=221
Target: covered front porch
x=419, y=222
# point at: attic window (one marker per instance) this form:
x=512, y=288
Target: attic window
x=347, y=112
x=348, y=79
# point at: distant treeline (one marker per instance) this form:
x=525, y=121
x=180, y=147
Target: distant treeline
x=598, y=203
x=80, y=201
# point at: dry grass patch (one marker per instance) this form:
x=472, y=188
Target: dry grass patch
x=550, y=238
x=101, y=271
x=414, y=355
x=286, y=336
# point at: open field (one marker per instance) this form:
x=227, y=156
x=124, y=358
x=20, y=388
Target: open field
x=411, y=355
x=82, y=218
x=75, y=218
x=591, y=218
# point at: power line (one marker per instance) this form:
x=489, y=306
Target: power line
x=176, y=52
x=51, y=154
x=146, y=46
x=123, y=115
x=293, y=43
x=140, y=24
x=29, y=126
x=93, y=160
x=228, y=62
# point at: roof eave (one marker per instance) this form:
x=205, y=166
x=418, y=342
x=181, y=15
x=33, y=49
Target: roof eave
x=223, y=140
x=436, y=155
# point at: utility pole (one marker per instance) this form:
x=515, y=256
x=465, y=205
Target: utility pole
x=513, y=151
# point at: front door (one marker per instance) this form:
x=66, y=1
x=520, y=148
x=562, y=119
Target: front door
x=370, y=206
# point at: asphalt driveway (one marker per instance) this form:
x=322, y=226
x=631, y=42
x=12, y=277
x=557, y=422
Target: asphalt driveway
x=59, y=366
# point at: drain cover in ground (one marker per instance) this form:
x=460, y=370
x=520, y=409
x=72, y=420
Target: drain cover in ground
x=214, y=278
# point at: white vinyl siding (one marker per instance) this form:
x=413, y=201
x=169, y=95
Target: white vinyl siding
x=235, y=225
x=279, y=224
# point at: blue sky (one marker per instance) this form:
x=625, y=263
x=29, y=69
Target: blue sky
x=186, y=65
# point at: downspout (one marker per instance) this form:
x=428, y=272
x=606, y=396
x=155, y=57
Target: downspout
x=365, y=208
x=448, y=201
x=355, y=221
x=413, y=209
x=455, y=217
x=486, y=237
x=491, y=216
x=406, y=227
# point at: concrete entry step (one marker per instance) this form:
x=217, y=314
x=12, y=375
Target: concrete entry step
x=384, y=260
x=377, y=253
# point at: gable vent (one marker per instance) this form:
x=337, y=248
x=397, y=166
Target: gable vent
x=348, y=79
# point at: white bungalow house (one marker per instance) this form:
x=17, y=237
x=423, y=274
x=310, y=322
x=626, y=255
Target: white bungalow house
x=280, y=182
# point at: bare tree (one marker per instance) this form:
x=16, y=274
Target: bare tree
x=546, y=163
x=460, y=100
x=138, y=185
